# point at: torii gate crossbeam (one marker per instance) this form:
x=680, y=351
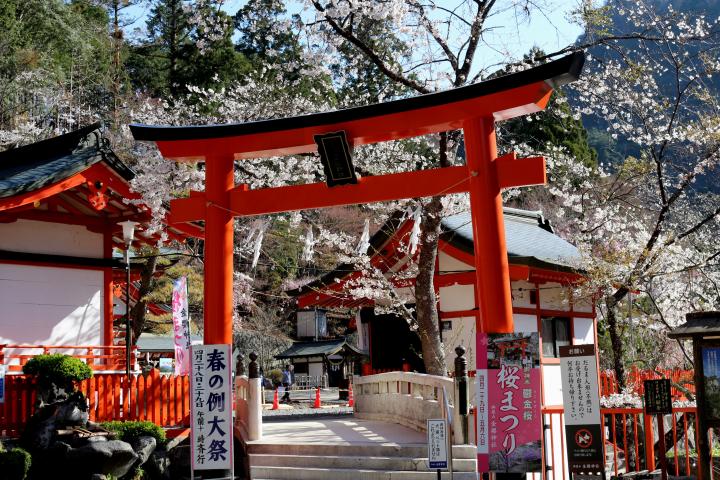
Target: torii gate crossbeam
x=474, y=108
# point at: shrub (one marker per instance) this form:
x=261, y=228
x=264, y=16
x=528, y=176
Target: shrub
x=15, y=464
x=275, y=376
x=62, y=370
x=129, y=431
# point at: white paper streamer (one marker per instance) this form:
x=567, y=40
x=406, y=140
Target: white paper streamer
x=364, y=244
x=415, y=234
x=258, y=245
x=309, y=247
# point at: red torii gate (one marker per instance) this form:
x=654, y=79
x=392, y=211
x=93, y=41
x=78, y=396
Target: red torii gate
x=473, y=108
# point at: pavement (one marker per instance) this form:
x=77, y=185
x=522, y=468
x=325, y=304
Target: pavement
x=346, y=430
x=298, y=422
x=301, y=405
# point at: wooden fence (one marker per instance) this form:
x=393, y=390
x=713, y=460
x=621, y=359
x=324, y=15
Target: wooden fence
x=161, y=399
x=97, y=357
x=636, y=377
x=626, y=435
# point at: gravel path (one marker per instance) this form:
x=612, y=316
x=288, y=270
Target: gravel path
x=301, y=406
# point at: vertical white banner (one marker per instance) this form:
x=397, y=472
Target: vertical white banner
x=181, y=326
x=578, y=370
x=211, y=407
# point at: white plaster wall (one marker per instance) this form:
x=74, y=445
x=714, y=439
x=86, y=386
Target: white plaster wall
x=521, y=294
x=525, y=323
x=52, y=306
x=50, y=238
x=450, y=264
x=552, y=384
x=315, y=369
x=462, y=333
x=553, y=296
x=583, y=331
x=457, y=297
x=583, y=304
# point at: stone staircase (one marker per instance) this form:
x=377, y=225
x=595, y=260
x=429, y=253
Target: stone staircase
x=339, y=461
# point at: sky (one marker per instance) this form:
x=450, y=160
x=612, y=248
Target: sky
x=509, y=31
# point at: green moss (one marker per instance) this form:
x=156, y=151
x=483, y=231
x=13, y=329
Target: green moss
x=15, y=464
x=58, y=368
x=693, y=453
x=129, y=431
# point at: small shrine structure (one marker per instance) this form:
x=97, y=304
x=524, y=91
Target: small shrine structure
x=61, y=200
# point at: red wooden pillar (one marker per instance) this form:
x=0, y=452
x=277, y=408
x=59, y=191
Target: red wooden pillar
x=218, y=249
x=107, y=292
x=491, y=263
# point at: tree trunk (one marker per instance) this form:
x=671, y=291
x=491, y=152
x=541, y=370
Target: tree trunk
x=137, y=313
x=615, y=341
x=426, y=300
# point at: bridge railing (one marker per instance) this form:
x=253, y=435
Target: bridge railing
x=401, y=397
x=248, y=403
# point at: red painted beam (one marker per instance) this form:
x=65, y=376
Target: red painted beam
x=382, y=188
x=410, y=123
x=49, y=190
x=512, y=172
x=189, y=209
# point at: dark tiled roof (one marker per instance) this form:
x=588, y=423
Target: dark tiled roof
x=555, y=73
x=528, y=236
x=316, y=349
x=31, y=167
x=698, y=324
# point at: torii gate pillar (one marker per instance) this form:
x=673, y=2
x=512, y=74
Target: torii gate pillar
x=218, y=285
x=492, y=271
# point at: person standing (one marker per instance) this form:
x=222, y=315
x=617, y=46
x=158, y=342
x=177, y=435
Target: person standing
x=288, y=379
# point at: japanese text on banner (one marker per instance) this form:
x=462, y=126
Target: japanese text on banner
x=211, y=407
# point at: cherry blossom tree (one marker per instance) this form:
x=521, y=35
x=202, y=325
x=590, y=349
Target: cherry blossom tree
x=647, y=224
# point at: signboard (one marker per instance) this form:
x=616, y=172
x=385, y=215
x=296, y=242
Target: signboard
x=711, y=373
x=437, y=440
x=181, y=326
x=508, y=403
x=2, y=384
x=581, y=399
x=658, y=400
x=211, y=407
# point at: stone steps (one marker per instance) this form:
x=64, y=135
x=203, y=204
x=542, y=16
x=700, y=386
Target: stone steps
x=355, y=449
x=413, y=464
x=333, y=461
x=296, y=473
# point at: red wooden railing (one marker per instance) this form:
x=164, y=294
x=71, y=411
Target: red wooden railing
x=636, y=377
x=98, y=357
x=626, y=432
x=161, y=399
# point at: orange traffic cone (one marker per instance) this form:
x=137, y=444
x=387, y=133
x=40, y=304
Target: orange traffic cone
x=317, y=399
x=276, y=401
x=351, y=399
